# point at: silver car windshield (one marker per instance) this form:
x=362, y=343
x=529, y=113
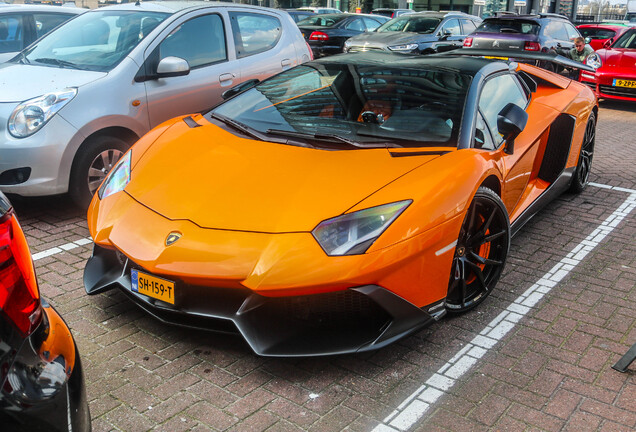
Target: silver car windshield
x=95, y=41
x=417, y=24
x=365, y=104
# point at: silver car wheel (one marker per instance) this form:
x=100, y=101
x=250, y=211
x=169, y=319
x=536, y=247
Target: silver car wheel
x=101, y=166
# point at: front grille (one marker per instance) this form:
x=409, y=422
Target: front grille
x=364, y=49
x=590, y=85
x=618, y=91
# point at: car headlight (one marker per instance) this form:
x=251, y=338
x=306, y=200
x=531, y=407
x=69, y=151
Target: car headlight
x=29, y=117
x=403, y=47
x=353, y=233
x=118, y=178
x=593, y=60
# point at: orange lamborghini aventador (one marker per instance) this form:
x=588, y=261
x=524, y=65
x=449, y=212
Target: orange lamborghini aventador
x=342, y=204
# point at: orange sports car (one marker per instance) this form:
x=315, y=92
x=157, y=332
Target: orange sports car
x=342, y=204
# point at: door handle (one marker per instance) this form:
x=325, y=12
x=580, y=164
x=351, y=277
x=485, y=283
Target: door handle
x=226, y=77
x=286, y=63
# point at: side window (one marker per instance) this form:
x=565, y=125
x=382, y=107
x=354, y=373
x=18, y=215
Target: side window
x=496, y=94
x=11, y=34
x=254, y=33
x=356, y=25
x=572, y=32
x=556, y=30
x=468, y=26
x=200, y=41
x=483, y=139
x=452, y=26
x=44, y=23
x=371, y=23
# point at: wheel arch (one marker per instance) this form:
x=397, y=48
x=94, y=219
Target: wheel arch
x=493, y=183
x=120, y=132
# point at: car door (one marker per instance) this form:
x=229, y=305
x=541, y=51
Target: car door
x=451, y=36
x=201, y=40
x=496, y=93
x=263, y=46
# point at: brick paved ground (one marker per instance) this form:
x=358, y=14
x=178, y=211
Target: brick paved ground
x=551, y=372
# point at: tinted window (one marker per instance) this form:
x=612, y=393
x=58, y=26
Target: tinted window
x=355, y=24
x=44, y=23
x=254, y=33
x=452, y=26
x=496, y=94
x=409, y=23
x=468, y=26
x=509, y=26
x=10, y=33
x=572, y=31
x=627, y=40
x=556, y=30
x=483, y=139
x=200, y=41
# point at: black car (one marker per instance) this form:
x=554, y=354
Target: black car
x=417, y=33
x=326, y=34
x=538, y=33
x=41, y=377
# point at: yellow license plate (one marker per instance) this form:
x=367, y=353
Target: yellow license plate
x=624, y=83
x=152, y=286
x=496, y=58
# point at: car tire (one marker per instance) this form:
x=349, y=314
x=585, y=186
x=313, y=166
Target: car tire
x=480, y=253
x=581, y=176
x=93, y=162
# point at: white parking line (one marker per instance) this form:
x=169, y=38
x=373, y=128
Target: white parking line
x=62, y=248
x=417, y=404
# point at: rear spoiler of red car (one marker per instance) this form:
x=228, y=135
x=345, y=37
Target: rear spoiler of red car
x=525, y=57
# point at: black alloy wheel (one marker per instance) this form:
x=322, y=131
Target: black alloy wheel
x=480, y=254
x=583, y=168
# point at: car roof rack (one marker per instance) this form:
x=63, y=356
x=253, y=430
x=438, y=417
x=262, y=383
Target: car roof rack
x=504, y=13
x=553, y=15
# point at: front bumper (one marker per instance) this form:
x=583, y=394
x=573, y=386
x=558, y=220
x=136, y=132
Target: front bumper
x=602, y=83
x=42, y=388
x=351, y=320
x=42, y=155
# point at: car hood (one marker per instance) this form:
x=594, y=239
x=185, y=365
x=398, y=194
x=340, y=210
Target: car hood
x=216, y=180
x=618, y=58
x=40, y=79
x=389, y=38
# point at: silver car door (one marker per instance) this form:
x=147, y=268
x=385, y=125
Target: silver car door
x=202, y=41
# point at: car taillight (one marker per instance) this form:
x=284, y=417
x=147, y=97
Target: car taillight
x=468, y=42
x=319, y=36
x=19, y=294
x=532, y=46
x=311, y=53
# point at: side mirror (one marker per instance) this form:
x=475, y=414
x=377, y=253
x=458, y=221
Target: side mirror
x=172, y=67
x=511, y=120
x=588, y=40
x=445, y=34
x=240, y=88
x=608, y=42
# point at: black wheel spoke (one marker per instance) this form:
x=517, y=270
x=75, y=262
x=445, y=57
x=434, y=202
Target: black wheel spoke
x=480, y=276
x=484, y=261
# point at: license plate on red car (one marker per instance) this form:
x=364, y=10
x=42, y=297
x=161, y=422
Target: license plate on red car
x=152, y=286
x=624, y=83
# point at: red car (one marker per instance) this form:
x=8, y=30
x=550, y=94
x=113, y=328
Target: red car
x=616, y=78
x=602, y=34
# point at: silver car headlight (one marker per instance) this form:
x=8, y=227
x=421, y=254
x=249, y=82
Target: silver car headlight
x=593, y=60
x=403, y=47
x=354, y=233
x=118, y=178
x=31, y=115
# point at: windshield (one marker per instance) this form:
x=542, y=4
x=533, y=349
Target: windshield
x=322, y=20
x=369, y=105
x=627, y=40
x=95, y=41
x=597, y=33
x=415, y=24
x=508, y=26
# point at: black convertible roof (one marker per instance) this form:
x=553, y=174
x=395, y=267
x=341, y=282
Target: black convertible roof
x=467, y=65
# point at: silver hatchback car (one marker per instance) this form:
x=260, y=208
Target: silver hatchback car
x=74, y=101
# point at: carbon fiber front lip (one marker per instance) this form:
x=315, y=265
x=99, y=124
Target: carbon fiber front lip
x=358, y=319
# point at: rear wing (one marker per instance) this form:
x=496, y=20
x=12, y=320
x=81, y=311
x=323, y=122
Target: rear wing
x=511, y=55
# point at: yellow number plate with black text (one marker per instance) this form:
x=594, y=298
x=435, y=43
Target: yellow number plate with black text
x=152, y=286
x=624, y=83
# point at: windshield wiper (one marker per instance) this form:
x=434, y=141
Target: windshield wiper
x=320, y=137
x=56, y=62
x=236, y=125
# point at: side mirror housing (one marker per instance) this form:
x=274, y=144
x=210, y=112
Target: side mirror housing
x=172, y=67
x=240, y=88
x=588, y=40
x=511, y=120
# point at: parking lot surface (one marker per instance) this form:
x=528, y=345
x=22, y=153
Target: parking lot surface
x=536, y=355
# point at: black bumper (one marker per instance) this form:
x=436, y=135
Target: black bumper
x=40, y=391
x=357, y=319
